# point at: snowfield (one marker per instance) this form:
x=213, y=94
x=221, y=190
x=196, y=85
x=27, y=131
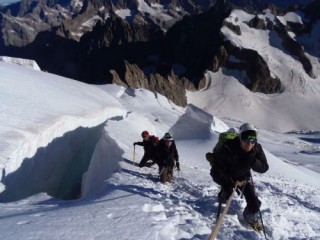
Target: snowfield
x=61, y=139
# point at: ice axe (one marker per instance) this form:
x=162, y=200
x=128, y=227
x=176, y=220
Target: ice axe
x=134, y=155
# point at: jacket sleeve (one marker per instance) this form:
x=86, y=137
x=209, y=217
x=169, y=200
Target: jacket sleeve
x=140, y=143
x=259, y=163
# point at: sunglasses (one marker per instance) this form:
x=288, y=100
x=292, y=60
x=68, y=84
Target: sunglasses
x=250, y=139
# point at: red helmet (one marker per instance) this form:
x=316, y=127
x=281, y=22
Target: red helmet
x=145, y=134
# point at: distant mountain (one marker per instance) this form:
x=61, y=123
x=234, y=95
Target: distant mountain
x=260, y=4
x=161, y=45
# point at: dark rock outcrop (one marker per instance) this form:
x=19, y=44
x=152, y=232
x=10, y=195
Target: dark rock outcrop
x=295, y=48
x=234, y=28
x=169, y=86
x=257, y=23
x=219, y=59
x=256, y=68
x=194, y=41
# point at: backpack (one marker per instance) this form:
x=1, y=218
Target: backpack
x=223, y=138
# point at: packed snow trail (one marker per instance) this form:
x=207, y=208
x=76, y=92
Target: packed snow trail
x=186, y=209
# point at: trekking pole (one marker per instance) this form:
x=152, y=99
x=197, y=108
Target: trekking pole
x=216, y=229
x=134, y=156
x=263, y=228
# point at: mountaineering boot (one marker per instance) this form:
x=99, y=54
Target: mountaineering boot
x=149, y=164
x=252, y=219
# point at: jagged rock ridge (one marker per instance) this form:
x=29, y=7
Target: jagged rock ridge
x=163, y=46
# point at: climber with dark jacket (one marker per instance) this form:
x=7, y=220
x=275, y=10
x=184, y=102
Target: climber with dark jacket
x=233, y=163
x=149, y=143
x=167, y=158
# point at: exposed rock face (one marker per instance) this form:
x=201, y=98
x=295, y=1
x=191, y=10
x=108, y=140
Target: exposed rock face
x=256, y=68
x=164, y=46
x=170, y=87
x=257, y=23
x=22, y=22
x=233, y=28
x=194, y=41
x=219, y=59
x=296, y=49
x=289, y=43
x=117, y=32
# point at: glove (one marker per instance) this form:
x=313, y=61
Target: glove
x=134, y=143
x=251, y=160
x=209, y=157
x=178, y=165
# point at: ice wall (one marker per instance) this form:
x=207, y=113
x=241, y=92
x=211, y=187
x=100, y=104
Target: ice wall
x=58, y=168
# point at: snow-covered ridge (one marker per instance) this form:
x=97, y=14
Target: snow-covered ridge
x=65, y=105
x=28, y=63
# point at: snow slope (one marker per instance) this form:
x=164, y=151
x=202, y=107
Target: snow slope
x=40, y=114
